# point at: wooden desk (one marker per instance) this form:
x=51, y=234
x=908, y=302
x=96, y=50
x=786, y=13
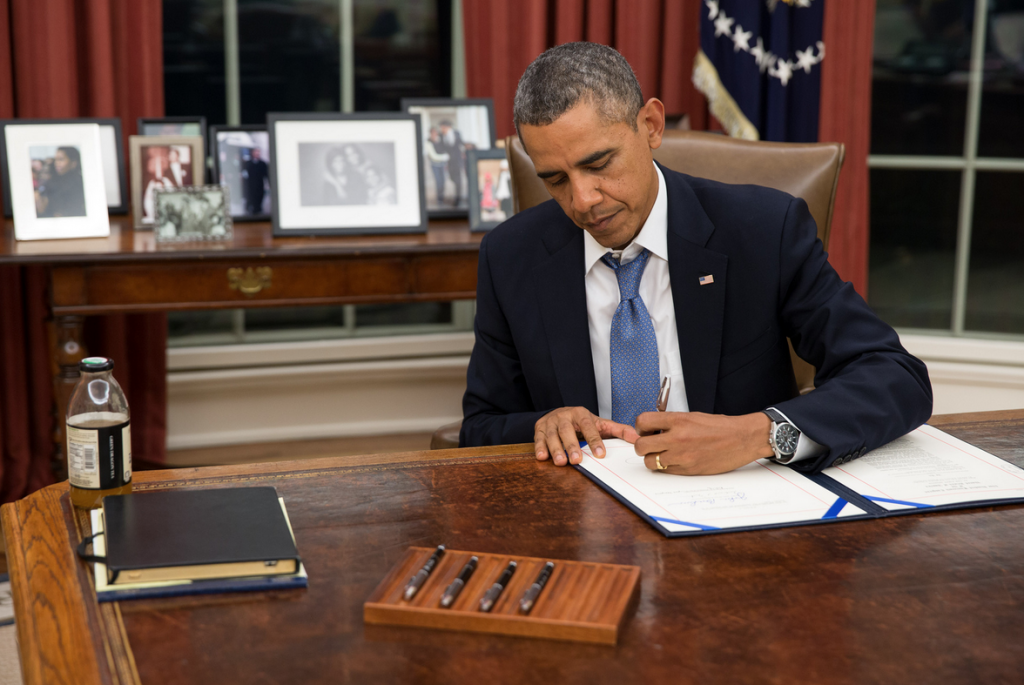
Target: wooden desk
x=129, y=273
x=936, y=598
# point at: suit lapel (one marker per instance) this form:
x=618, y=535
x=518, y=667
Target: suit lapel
x=700, y=309
x=566, y=325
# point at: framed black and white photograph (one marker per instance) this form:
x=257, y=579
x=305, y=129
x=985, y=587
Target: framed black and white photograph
x=115, y=179
x=490, y=189
x=57, y=187
x=241, y=156
x=345, y=174
x=160, y=162
x=449, y=129
x=191, y=214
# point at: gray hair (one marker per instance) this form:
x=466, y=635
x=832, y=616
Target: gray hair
x=561, y=77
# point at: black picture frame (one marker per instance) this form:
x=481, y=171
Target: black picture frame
x=477, y=222
x=214, y=147
x=122, y=174
x=275, y=118
x=488, y=103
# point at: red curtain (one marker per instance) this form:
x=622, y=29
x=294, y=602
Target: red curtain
x=845, y=116
x=659, y=39
x=66, y=59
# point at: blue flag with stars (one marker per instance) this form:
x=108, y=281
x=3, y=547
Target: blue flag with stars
x=759, y=67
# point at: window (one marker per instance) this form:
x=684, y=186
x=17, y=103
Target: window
x=947, y=166
x=290, y=57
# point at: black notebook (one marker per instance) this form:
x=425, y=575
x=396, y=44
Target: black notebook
x=173, y=535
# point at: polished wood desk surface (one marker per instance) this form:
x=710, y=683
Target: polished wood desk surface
x=249, y=239
x=934, y=598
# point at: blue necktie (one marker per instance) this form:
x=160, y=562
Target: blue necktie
x=634, y=349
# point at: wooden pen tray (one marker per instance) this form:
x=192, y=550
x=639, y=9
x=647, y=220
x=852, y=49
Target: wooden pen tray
x=582, y=601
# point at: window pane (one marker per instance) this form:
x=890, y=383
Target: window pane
x=293, y=318
x=995, y=286
x=913, y=243
x=194, y=59
x=403, y=314
x=289, y=56
x=922, y=60
x=402, y=49
x=199, y=325
x=1002, y=100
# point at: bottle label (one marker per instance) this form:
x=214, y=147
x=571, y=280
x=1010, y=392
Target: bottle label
x=100, y=458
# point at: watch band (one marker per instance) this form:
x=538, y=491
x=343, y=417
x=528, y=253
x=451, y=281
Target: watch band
x=775, y=415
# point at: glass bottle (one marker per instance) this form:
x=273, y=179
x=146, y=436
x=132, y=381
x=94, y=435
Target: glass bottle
x=99, y=440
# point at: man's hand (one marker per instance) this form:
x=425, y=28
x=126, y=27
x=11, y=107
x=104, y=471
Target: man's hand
x=694, y=444
x=558, y=432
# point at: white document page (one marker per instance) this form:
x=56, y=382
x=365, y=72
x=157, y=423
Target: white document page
x=759, y=494
x=929, y=468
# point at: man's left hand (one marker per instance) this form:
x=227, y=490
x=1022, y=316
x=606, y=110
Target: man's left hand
x=695, y=444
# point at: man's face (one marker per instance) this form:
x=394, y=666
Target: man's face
x=600, y=173
x=174, y=156
x=256, y=153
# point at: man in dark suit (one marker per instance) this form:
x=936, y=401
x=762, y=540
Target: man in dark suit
x=451, y=144
x=634, y=272
x=256, y=175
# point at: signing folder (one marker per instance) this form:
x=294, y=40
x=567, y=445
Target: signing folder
x=925, y=470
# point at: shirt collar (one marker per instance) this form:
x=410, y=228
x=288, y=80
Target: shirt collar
x=653, y=236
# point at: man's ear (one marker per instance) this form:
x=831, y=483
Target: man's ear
x=651, y=122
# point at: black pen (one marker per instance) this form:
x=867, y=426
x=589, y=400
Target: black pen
x=416, y=582
x=491, y=596
x=530, y=597
x=456, y=587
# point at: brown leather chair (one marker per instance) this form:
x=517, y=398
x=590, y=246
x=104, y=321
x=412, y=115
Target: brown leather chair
x=806, y=170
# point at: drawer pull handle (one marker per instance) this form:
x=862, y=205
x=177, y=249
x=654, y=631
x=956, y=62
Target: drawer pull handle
x=249, y=281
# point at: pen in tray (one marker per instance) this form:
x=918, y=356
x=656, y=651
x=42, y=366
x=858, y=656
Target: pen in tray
x=416, y=582
x=452, y=593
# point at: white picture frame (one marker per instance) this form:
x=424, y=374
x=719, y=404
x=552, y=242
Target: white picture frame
x=25, y=143
x=378, y=190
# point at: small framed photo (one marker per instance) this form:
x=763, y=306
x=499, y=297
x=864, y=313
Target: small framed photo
x=490, y=189
x=450, y=128
x=57, y=187
x=241, y=156
x=191, y=214
x=346, y=174
x=172, y=126
x=162, y=162
x=115, y=180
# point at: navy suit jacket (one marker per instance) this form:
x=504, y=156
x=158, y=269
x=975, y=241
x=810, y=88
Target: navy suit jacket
x=772, y=280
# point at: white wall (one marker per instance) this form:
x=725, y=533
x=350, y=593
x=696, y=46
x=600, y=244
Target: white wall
x=411, y=384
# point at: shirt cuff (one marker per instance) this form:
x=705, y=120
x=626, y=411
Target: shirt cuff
x=805, y=447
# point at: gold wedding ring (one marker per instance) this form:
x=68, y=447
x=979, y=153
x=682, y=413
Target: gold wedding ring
x=657, y=462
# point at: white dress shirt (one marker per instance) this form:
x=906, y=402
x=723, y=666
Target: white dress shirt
x=656, y=292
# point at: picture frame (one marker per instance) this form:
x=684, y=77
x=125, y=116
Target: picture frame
x=153, y=165
x=234, y=167
x=192, y=214
x=472, y=127
x=111, y=149
x=57, y=187
x=346, y=174
x=490, y=188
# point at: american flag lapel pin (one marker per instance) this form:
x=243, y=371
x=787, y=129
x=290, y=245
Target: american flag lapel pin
x=706, y=280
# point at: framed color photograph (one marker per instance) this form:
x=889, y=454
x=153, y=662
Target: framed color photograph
x=490, y=189
x=115, y=180
x=162, y=162
x=346, y=174
x=241, y=156
x=449, y=129
x=56, y=181
x=194, y=213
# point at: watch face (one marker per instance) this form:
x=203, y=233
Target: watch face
x=786, y=438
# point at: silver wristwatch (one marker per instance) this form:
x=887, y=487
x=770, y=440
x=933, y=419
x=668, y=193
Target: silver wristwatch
x=783, y=436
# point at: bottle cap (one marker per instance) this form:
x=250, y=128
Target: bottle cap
x=95, y=364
